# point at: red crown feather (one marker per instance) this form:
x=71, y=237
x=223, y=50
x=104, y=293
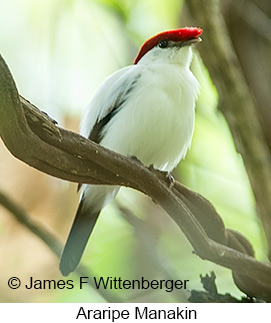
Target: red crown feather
x=182, y=34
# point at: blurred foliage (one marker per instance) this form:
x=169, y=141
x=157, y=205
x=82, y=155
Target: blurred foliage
x=59, y=52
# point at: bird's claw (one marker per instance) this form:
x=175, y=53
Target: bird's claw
x=164, y=175
x=137, y=160
x=171, y=180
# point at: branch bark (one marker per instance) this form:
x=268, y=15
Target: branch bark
x=36, y=140
x=236, y=104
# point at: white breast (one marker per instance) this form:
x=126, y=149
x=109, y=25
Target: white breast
x=156, y=123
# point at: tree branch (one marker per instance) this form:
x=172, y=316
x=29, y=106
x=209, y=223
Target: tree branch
x=51, y=242
x=36, y=140
x=236, y=104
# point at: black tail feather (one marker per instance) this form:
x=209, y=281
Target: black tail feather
x=82, y=227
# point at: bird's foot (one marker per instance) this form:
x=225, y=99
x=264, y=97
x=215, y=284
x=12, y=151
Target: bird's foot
x=163, y=175
x=137, y=160
x=171, y=180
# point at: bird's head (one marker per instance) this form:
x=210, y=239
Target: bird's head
x=171, y=46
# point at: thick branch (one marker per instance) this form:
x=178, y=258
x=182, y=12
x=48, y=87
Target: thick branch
x=36, y=140
x=236, y=103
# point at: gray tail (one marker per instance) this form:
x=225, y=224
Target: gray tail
x=82, y=227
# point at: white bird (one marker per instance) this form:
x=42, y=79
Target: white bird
x=145, y=110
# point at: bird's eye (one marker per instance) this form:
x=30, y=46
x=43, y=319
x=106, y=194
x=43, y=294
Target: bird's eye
x=163, y=43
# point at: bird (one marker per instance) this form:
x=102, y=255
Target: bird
x=145, y=110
